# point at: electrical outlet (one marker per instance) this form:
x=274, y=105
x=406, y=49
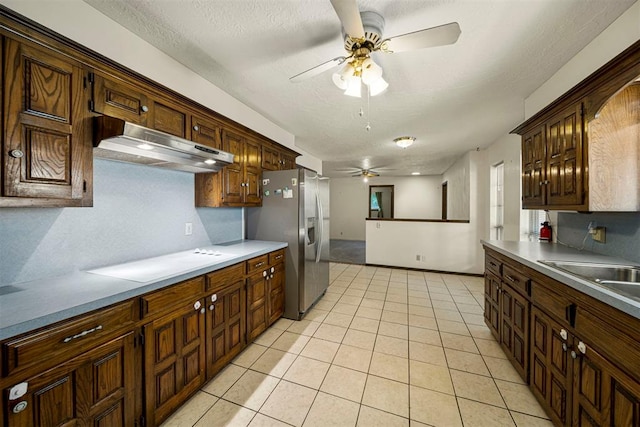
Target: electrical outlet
x=599, y=234
x=188, y=228
x=418, y=257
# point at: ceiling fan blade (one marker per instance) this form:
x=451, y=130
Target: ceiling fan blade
x=347, y=11
x=429, y=37
x=317, y=69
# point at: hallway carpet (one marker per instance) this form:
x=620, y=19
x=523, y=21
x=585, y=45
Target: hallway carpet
x=347, y=251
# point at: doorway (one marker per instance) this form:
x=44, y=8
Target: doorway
x=444, y=200
x=380, y=201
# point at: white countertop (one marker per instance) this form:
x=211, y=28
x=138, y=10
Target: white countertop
x=42, y=302
x=530, y=253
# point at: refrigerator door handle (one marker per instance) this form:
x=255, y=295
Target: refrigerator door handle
x=320, y=227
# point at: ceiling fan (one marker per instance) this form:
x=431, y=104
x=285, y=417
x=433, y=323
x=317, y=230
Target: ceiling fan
x=362, y=37
x=366, y=173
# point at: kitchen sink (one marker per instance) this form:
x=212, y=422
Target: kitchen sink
x=623, y=279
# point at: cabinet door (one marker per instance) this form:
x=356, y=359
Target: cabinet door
x=95, y=389
x=492, y=304
x=256, y=305
x=565, y=168
x=603, y=395
x=514, y=328
x=276, y=292
x=550, y=372
x=252, y=173
x=169, y=118
x=174, y=360
x=46, y=142
x=287, y=162
x=117, y=99
x=233, y=175
x=226, y=326
x=533, y=168
x=270, y=158
x=206, y=132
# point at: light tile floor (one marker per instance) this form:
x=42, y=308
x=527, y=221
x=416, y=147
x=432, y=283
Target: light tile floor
x=383, y=347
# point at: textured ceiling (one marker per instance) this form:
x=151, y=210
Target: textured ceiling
x=452, y=98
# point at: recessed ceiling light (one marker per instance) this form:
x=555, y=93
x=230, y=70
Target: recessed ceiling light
x=415, y=173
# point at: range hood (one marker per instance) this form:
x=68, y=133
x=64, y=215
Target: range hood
x=116, y=139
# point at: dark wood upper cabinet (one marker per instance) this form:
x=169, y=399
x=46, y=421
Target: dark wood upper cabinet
x=118, y=99
x=581, y=152
x=206, y=132
x=46, y=150
x=169, y=118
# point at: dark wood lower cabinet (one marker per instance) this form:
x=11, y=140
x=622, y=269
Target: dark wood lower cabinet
x=550, y=370
x=226, y=326
x=492, y=304
x=604, y=395
x=514, y=328
x=581, y=354
x=174, y=360
x=94, y=389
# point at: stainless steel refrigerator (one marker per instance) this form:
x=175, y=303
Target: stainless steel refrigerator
x=295, y=209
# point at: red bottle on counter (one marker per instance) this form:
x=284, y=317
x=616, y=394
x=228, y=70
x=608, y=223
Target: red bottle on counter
x=545, y=232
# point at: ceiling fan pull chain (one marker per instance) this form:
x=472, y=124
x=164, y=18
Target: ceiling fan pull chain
x=368, y=126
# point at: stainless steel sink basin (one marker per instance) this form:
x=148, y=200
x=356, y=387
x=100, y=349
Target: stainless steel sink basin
x=622, y=279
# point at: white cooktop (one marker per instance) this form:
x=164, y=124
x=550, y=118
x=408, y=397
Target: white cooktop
x=157, y=268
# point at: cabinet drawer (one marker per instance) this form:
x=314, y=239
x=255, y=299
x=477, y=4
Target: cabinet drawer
x=601, y=331
x=276, y=256
x=516, y=280
x=551, y=303
x=56, y=344
x=226, y=276
x=257, y=263
x=493, y=265
x=172, y=297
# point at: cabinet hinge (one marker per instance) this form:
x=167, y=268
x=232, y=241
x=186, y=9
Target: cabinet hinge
x=140, y=422
x=91, y=78
x=582, y=110
x=91, y=105
x=84, y=186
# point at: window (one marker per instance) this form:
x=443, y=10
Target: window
x=536, y=218
x=497, y=202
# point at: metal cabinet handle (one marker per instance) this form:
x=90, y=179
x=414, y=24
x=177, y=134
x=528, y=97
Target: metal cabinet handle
x=271, y=276
x=511, y=278
x=493, y=264
x=279, y=257
x=197, y=305
x=17, y=154
x=261, y=263
x=144, y=108
x=564, y=346
x=211, y=307
x=82, y=334
x=573, y=355
x=196, y=128
x=202, y=310
x=563, y=334
x=555, y=156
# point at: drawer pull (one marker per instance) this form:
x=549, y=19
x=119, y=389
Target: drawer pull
x=82, y=334
x=493, y=264
x=564, y=347
x=511, y=278
x=573, y=355
x=260, y=264
x=563, y=334
x=278, y=256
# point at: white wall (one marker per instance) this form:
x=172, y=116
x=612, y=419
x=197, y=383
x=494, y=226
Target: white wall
x=457, y=179
x=85, y=25
x=453, y=247
x=415, y=197
x=507, y=151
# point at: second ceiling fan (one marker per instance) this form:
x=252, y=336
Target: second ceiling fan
x=363, y=36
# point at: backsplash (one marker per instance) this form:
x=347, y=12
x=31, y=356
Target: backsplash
x=138, y=212
x=622, y=234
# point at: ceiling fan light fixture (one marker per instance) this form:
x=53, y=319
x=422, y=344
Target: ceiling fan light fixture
x=370, y=71
x=404, y=141
x=354, y=87
x=378, y=86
